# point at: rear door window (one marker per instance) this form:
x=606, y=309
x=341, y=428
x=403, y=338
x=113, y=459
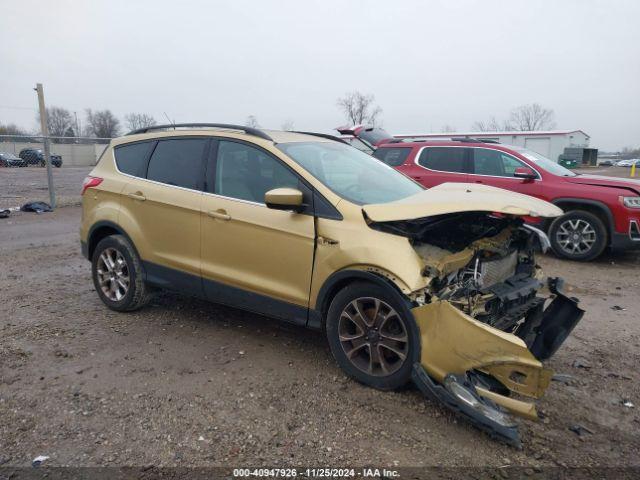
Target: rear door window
x=444, y=159
x=132, y=158
x=178, y=162
x=394, y=157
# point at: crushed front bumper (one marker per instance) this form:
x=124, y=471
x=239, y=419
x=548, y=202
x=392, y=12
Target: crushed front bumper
x=459, y=354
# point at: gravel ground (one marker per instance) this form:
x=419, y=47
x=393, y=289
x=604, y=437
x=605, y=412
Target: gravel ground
x=21, y=185
x=186, y=383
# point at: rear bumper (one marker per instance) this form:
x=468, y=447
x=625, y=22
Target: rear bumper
x=459, y=354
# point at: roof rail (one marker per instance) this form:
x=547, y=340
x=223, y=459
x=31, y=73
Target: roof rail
x=225, y=126
x=473, y=140
x=323, y=135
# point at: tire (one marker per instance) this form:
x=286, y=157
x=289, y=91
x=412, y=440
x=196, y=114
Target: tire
x=341, y=324
x=578, y=235
x=42, y=163
x=112, y=292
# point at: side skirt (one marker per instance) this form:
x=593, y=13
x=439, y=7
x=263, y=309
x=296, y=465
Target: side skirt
x=216, y=292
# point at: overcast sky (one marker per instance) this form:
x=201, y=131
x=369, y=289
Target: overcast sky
x=428, y=63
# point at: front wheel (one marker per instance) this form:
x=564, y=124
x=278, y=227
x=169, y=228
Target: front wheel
x=372, y=335
x=578, y=235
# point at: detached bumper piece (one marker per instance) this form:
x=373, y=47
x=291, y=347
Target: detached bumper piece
x=460, y=395
x=544, y=331
x=473, y=368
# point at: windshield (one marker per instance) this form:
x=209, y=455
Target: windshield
x=549, y=165
x=350, y=173
x=373, y=135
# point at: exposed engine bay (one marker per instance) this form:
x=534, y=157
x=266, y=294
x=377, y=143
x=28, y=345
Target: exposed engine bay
x=484, y=327
x=482, y=264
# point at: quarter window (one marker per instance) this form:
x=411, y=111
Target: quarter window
x=494, y=163
x=443, y=159
x=132, y=158
x=247, y=173
x=394, y=157
x=178, y=162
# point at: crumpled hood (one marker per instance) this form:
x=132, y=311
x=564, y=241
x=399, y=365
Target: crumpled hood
x=460, y=197
x=603, y=181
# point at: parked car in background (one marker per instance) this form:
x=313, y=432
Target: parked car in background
x=11, y=160
x=599, y=212
x=35, y=156
x=406, y=283
x=606, y=163
x=627, y=163
x=363, y=137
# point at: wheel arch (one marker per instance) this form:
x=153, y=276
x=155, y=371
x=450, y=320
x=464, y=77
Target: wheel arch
x=595, y=207
x=103, y=229
x=341, y=279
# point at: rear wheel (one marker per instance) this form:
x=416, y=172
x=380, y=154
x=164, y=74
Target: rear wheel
x=372, y=335
x=117, y=275
x=578, y=235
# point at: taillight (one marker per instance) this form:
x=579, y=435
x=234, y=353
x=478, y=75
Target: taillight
x=90, y=182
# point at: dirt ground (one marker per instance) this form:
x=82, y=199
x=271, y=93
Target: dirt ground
x=187, y=383
x=20, y=185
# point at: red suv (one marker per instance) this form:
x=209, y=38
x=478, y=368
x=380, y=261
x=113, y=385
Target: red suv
x=600, y=212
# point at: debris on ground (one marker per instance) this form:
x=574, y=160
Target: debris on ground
x=618, y=308
x=37, y=207
x=581, y=363
x=563, y=378
x=628, y=404
x=38, y=460
x=580, y=429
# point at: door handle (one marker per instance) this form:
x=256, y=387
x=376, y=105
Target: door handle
x=219, y=214
x=137, y=196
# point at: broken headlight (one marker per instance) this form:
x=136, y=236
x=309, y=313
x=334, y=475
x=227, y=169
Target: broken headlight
x=470, y=398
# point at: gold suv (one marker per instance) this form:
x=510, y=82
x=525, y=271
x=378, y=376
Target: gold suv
x=437, y=286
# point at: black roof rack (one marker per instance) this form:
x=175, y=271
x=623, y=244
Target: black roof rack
x=473, y=140
x=225, y=126
x=323, y=135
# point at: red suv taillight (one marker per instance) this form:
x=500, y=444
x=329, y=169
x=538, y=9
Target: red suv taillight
x=90, y=182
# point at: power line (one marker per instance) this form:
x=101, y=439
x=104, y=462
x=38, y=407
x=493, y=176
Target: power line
x=18, y=108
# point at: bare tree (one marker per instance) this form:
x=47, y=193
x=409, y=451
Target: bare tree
x=448, y=129
x=58, y=120
x=491, y=125
x=102, y=123
x=12, y=129
x=288, y=125
x=135, y=121
x=359, y=108
x=532, y=117
x=251, y=122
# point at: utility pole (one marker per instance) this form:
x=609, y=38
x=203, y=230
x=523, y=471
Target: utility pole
x=45, y=134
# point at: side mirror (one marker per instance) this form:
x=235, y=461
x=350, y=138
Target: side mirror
x=525, y=173
x=284, y=199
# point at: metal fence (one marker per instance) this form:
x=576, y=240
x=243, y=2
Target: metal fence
x=23, y=177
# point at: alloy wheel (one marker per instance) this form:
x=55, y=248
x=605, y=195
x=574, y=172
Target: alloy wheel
x=373, y=336
x=113, y=274
x=576, y=236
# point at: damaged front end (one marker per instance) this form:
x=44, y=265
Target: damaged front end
x=485, y=327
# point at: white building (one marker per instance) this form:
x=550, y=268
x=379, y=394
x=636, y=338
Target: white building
x=550, y=143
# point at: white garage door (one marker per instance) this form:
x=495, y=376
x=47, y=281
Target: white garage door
x=538, y=144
